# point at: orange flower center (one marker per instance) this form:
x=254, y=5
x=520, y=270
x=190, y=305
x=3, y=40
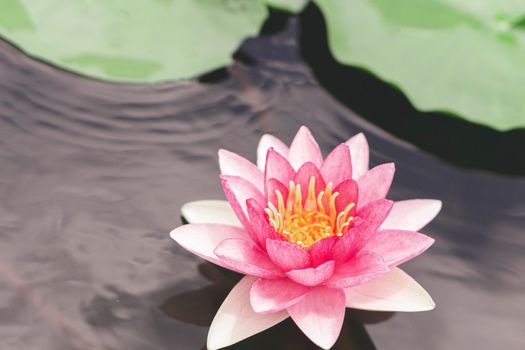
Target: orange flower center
x=304, y=223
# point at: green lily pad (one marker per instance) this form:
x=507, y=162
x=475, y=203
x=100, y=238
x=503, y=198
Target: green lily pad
x=462, y=57
x=137, y=41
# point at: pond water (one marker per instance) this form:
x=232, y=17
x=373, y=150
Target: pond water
x=93, y=175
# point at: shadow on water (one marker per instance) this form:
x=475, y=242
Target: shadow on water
x=198, y=307
x=457, y=141
x=276, y=23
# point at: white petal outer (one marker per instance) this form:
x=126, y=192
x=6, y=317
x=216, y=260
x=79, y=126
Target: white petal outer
x=236, y=319
x=265, y=143
x=360, y=155
x=411, y=215
x=202, y=239
x=210, y=212
x=320, y=315
x=396, y=291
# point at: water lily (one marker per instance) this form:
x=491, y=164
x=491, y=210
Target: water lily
x=313, y=236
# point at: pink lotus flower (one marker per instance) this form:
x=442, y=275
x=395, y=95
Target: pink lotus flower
x=313, y=236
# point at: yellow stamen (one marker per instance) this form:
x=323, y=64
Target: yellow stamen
x=308, y=222
x=320, y=201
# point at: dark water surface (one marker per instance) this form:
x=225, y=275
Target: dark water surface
x=92, y=177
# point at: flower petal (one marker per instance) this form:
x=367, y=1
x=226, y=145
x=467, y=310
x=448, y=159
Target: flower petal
x=371, y=217
x=360, y=155
x=259, y=223
x=313, y=276
x=202, y=239
x=396, y=291
x=303, y=177
x=344, y=248
x=321, y=250
x=238, y=190
x=348, y=193
x=304, y=149
x=320, y=315
x=413, y=214
x=287, y=256
x=209, y=212
x=233, y=164
x=272, y=186
x=366, y=266
x=337, y=167
x=397, y=246
x=268, y=296
x=265, y=143
x=278, y=167
x=375, y=183
x=243, y=256
x=236, y=320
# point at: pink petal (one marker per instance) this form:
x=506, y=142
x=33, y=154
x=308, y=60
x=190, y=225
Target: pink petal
x=344, y=248
x=209, y=212
x=272, y=186
x=375, y=183
x=236, y=320
x=313, y=276
x=396, y=291
x=202, y=239
x=259, y=223
x=238, y=190
x=348, y=193
x=265, y=143
x=412, y=214
x=321, y=250
x=337, y=166
x=365, y=267
x=359, y=154
x=320, y=315
x=303, y=176
x=396, y=246
x=243, y=256
x=370, y=217
x=269, y=296
x=278, y=167
x=233, y=164
x=287, y=256
x=304, y=149
x=375, y=213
